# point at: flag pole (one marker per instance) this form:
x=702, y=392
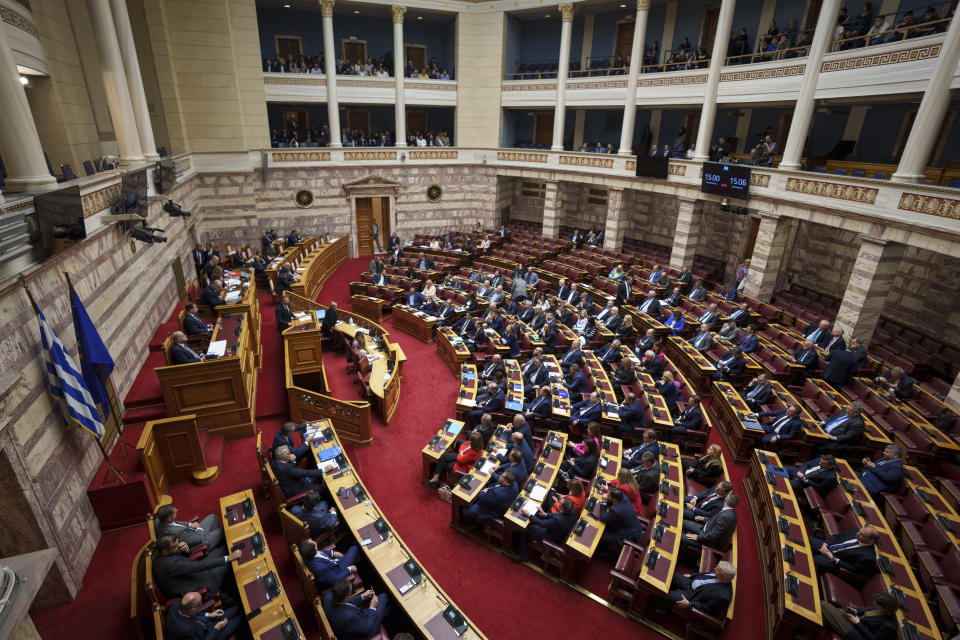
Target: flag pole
x=33, y=302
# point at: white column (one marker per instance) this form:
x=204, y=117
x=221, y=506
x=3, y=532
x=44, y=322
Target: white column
x=932, y=109
x=717, y=58
x=330, y=62
x=115, y=81
x=131, y=67
x=566, y=15
x=636, y=62
x=803, y=111
x=19, y=141
x=399, y=103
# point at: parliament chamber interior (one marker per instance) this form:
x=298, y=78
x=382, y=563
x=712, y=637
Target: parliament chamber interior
x=639, y=318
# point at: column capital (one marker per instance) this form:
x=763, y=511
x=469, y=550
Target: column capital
x=566, y=12
x=643, y=5
x=397, y=11
x=326, y=8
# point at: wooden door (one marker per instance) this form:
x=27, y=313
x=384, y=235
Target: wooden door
x=691, y=122
x=543, y=128
x=810, y=15
x=624, y=41
x=381, y=215
x=751, y=238
x=288, y=47
x=358, y=121
x=417, y=54
x=708, y=27
x=417, y=122
x=364, y=208
x=300, y=117
x=354, y=50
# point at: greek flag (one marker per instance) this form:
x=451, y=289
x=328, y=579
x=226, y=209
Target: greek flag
x=66, y=381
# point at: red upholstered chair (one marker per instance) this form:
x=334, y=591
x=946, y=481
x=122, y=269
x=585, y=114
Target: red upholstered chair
x=624, y=576
x=943, y=570
x=835, y=501
x=928, y=537
x=907, y=508
x=363, y=377
x=948, y=606
x=556, y=559
x=841, y=593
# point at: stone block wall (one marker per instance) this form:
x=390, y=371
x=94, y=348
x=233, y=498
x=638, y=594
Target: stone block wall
x=128, y=290
x=925, y=287
x=723, y=236
x=822, y=258
x=577, y=211
x=524, y=208
x=650, y=217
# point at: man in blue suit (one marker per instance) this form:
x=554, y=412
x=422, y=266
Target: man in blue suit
x=807, y=356
x=541, y=406
x=496, y=322
x=518, y=442
x=610, y=353
x=841, y=365
x=576, y=383
x=293, y=238
x=193, y=324
x=185, y=621
x=748, y=342
x=572, y=356
x=741, y=315
x=493, y=501
x=759, y=392
x=329, y=566
x=347, y=617
x=819, y=473
x=730, y=364
x=210, y=295
x=701, y=506
x=545, y=526
x=413, y=298
x=536, y=377
x=884, y=475
x=585, y=412
x=315, y=512
x=786, y=425
x=496, y=402
x=621, y=520
x=633, y=458
x=285, y=437
x=633, y=415
x=180, y=351
x=512, y=462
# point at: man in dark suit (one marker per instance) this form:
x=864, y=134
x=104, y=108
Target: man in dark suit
x=576, y=383
x=652, y=363
x=844, y=430
x=195, y=533
x=328, y=566
x=284, y=437
x=876, y=622
x=884, y=475
x=283, y=313
x=496, y=402
x=413, y=298
x=193, y=324
x=758, y=393
x=698, y=293
x=651, y=306
x=177, y=575
x=674, y=298
x=646, y=343
x=836, y=340
x=291, y=478
x=808, y=357
x=536, y=376
x=199, y=258
x=710, y=317
x=741, y=315
x=633, y=458
x=424, y=263
x=841, y=366
x=494, y=371
x=545, y=526
x=610, y=353
x=348, y=618
x=493, y=501
x=539, y=407
x=210, y=295
x=647, y=475
x=703, y=341
x=621, y=520
x=259, y=266
x=689, y=418
x=730, y=364
x=212, y=269
x=818, y=334
x=329, y=320
x=185, y=621
x=748, y=342
x=703, y=505
x=785, y=424
x=624, y=290
x=605, y=312
x=614, y=320
x=716, y=531
x=293, y=238
x=285, y=279
x=819, y=473
x=316, y=513
x=573, y=296
x=898, y=383
x=853, y=550
x=527, y=456
x=633, y=414
x=180, y=352
x=573, y=356
x=563, y=289
x=710, y=592
x=585, y=412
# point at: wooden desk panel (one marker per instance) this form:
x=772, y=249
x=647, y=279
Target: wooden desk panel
x=418, y=324
x=585, y=545
x=514, y=386
x=550, y=458
x=444, y=441
x=733, y=428
x=368, y=307
x=561, y=397
x=452, y=349
x=672, y=494
x=694, y=366
x=601, y=385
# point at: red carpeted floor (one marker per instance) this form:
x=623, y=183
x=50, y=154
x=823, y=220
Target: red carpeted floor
x=491, y=590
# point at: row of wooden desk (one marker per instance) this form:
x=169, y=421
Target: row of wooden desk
x=317, y=264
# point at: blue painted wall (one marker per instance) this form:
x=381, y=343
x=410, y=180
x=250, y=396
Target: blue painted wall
x=689, y=17
x=603, y=125
x=511, y=55
x=747, y=15
x=827, y=130
x=306, y=24
x=540, y=40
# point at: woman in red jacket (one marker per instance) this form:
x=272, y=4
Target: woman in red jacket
x=467, y=455
x=631, y=490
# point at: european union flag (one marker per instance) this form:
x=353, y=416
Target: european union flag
x=95, y=361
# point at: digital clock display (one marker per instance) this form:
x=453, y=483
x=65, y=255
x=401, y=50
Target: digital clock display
x=726, y=180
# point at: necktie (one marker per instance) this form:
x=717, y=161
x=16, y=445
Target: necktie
x=833, y=424
x=701, y=338
x=712, y=498
x=753, y=394
x=703, y=318
x=646, y=305
x=843, y=546
x=779, y=423
x=813, y=336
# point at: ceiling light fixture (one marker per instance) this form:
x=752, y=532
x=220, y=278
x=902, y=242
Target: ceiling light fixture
x=286, y=6
x=24, y=80
x=419, y=17
x=623, y=6
x=356, y=10
x=547, y=16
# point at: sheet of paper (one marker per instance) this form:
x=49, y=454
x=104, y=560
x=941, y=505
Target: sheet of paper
x=538, y=493
x=217, y=348
x=489, y=466
x=529, y=507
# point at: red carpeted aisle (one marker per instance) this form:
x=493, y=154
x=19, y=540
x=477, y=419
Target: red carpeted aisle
x=489, y=588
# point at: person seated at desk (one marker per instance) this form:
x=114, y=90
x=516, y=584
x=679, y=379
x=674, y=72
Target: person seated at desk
x=675, y=321
x=842, y=364
x=710, y=592
x=553, y=526
x=897, y=383
x=707, y=468
x=786, y=424
x=716, y=531
x=510, y=306
x=632, y=413
x=651, y=363
x=845, y=430
x=493, y=501
x=575, y=494
x=413, y=298
x=605, y=312
x=667, y=388
x=610, y=353
x=875, y=622
x=495, y=322
x=674, y=300
x=585, y=411
x=294, y=238
x=485, y=289
x=348, y=618
x=494, y=371
x=185, y=620
x=316, y=513
x=477, y=339
x=466, y=326
x=730, y=364
x=535, y=377
x=498, y=295
x=885, y=475
x=651, y=306
x=647, y=475
x=541, y=406
x=573, y=356
x=623, y=376
x=527, y=312
x=818, y=334
x=176, y=574
x=259, y=266
x=195, y=533
x=741, y=315
x=853, y=550
x=703, y=341
x=710, y=317
x=630, y=487
x=212, y=269
x=633, y=458
x=285, y=279
x=758, y=392
x=584, y=465
x=292, y=479
x=748, y=340
x=808, y=357
x=328, y=566
x=819, y=473
x=495, y=402
x=836, y=340
x=445, y=313
x=180, y=352
x=210, y=296
x=590, y=330
x=193, y=324
x=284, y=315
x=285, y=437
x=621, y=520
x=700, y=507
x=729, y=331
x=690, y=418
x=698, y=293
x=462, y=460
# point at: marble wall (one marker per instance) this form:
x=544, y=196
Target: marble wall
x=822, y=258
x=650, y=217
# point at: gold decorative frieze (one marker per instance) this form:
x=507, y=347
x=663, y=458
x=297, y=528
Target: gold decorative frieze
x=763, y=74
x=515, y=156
x=597, y=162
x=881, y=59
x=677, y=169
x=369, y=155
x=542, y=86
x=14, y=19
x=296, y=80
x=850, y=193
x=447, y=154
x=931, y=205
x=300, y=156
x=759, y=179
x=97, y=201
